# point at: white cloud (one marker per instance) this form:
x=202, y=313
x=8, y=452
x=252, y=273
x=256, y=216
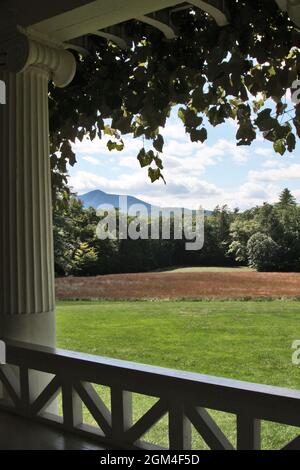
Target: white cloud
x=250, y=194
x=237, y=153
x=290, y=172
x=174, y=131
x=273, y=163
x=264, y=151
x=91, y=160
x=252, y=191
x=99, y=147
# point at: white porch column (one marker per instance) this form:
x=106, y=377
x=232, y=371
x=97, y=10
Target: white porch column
x=27, y=300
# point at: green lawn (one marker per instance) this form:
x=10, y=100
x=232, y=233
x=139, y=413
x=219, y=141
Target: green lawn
x=242, y=340
x=206, y=269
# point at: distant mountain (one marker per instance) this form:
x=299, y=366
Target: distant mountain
x=100, y=198
x=97, y=198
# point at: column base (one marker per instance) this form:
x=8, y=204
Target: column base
x=37, y=328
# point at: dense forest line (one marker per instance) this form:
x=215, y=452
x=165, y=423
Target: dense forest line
x=266, y=238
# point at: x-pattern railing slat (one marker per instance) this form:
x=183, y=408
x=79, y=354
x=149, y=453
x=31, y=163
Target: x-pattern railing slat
x=9, y=381
x=208, y=429
x=294, y=444
x=146, y=422
x=183, y=397
x=49, y=394
x=95, y=405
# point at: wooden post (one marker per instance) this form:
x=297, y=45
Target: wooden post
x=180, y=434
x=248, y=433
x=121, y=413
x=72, y=406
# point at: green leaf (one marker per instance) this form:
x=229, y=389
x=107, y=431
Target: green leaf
x=264, y=120
x=279, y=146
x=67, y=153
x=190, y=118
x=198, y=99
x=158, y=162
x=291, y=142
x=145, y=158
x=123, y=124
x=109, y=131
x=120, y=146
x=154, y=174
x=111, y=145
x=93, y=134
x=158, y=143
x=198, y=135
x=246, y=133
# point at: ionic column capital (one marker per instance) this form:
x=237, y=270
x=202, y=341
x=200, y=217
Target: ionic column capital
x=21, y=50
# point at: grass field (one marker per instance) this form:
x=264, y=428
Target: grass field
x=204, y=269
x=241, y=340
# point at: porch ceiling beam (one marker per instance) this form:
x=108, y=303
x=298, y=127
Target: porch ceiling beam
x=98, y=15
x=26, y=13
x=216, y=8
x=282, y=4
x=114, y=34
x=160, y=20
x=292, y=7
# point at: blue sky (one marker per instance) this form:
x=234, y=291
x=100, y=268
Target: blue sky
x=217, y=172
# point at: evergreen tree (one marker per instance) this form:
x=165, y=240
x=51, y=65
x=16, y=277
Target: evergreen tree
x=286, y=198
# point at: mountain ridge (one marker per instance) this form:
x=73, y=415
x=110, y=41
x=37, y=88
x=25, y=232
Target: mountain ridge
x=98, y=197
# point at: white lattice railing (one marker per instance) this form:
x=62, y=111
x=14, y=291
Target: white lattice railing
x=182, y=396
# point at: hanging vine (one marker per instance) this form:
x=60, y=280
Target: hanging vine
x=214, y=74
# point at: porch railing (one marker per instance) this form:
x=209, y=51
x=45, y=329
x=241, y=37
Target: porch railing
x=184, y=397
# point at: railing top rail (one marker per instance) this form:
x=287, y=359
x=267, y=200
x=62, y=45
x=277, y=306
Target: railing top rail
x=26, y=353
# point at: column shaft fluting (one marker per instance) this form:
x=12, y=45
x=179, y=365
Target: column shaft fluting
x=26, y=236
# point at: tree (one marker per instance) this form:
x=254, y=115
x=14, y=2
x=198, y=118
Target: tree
x=288, y=237
x=277, y=224
x=85, y=260
x=66, y=233
x=241, y=230
x=286, y=198
x=212, y=73
x=262, y=252
x=222, y=218
x=73, y=225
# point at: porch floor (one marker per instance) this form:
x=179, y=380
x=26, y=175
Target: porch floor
x=18, y=433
